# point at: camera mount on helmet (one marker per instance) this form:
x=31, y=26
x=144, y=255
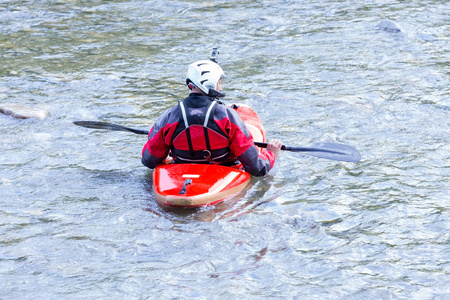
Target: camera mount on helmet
x=214, y=55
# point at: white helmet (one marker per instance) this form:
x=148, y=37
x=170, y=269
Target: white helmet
x=205, y=74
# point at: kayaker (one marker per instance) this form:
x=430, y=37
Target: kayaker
x=181, y=131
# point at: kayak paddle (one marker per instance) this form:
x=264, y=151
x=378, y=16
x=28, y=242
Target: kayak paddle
x=108, y=126
x=324, y=150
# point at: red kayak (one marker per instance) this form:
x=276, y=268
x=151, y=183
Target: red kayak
x=194, y=185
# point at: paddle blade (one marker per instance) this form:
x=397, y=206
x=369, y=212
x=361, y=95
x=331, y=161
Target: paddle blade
x=108, y=126
x=97, y=125
x=324, y=150
x=332, y=151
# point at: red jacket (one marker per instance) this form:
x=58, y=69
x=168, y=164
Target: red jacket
x=224, y=138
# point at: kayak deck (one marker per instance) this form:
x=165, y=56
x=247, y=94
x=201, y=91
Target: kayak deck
x=193, y=185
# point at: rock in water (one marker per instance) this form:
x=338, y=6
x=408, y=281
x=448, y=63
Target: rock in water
x=20, y=111
x=389, y=26
x=444, y=107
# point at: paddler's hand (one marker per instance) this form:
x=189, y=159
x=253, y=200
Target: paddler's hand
x=274, y=146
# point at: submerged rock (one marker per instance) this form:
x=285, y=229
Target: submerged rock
x=20, y=111
x=389, y=26
x=324, y=216
x=444, y=107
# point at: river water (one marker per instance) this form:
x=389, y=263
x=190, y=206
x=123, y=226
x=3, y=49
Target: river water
x=77, y=215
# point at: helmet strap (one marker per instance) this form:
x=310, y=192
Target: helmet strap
x=214, y=93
